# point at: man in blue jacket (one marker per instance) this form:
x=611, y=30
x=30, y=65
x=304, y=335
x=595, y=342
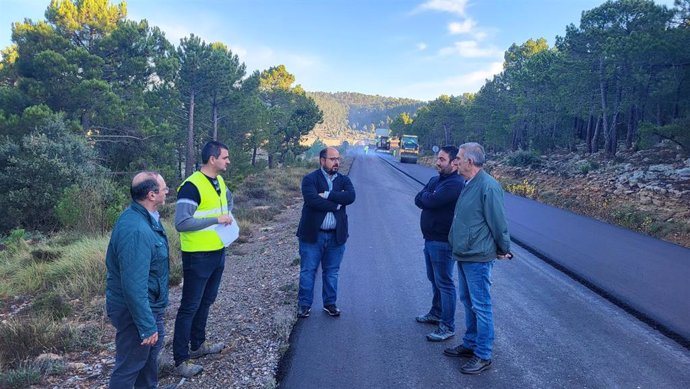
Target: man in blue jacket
x=478, y=235
x=322, y=231
x=137, y=284
x=437, y=202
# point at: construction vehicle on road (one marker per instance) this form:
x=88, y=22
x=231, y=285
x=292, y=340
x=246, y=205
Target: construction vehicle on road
x=383, y=142
x=409, y=149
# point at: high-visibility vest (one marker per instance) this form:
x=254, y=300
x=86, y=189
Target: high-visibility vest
x=211, y=206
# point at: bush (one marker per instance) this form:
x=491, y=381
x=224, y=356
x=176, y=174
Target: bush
x=27, y=338
x=51, y=305
x=35, y=172
x=677, y=132
x=92, y=209
x=24, y=376
x=524, y=159
x=585, y=167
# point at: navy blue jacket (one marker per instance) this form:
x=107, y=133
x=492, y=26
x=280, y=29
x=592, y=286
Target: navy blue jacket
x=437, y=201
x=315, y=207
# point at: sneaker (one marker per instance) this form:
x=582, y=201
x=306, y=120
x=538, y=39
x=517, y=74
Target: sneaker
x=459, y=351
x=332, y=310
x=475, y=365
x=187, y=369
x=206, y=348
x=442, y=333
x=303, y=312
x=428, y=319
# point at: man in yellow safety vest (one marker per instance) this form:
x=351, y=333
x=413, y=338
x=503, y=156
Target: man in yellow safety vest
x=203, y=202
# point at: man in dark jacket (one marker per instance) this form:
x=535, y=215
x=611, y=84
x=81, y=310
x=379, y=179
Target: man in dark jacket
x=322, y=231
x=479, y=235
x=437, y=201
x=137, y=284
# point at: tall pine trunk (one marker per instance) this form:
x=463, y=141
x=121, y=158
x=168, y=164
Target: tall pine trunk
x=214, y=135
x=632, y=128
x=189, y=162
x=594, y=146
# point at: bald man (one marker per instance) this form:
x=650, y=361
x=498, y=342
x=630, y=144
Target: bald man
x=137, y=284
x=322, y=231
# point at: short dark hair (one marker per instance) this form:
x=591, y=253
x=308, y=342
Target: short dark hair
x=451, y=150
x=142, y=189
x=323, y=153
x=211, y=149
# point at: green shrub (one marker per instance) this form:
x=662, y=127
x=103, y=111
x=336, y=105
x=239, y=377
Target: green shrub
x=23, y=376
x=524, y=159
x=35, y=171
x=15, y=242
x=91, y=210
x=26, y=338
x=677, y=132
x=51, y=305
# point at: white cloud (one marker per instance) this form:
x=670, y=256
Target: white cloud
x=470, y=49
x=452, y=6
x=455, y=85
x=421, y=46
x=462, y=28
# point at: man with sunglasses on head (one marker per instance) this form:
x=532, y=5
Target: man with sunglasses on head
x=322, y=231
x=203, y=202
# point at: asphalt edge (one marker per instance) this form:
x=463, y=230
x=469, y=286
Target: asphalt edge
x=654, y=324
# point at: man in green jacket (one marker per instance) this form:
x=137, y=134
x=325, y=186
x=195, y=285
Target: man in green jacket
x=478, y=235
x=137, y=284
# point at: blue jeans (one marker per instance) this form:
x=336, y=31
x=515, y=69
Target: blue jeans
x=474, y=284
x=202, y=273
x=329, y=254
x=136, y=366
x=439, y=270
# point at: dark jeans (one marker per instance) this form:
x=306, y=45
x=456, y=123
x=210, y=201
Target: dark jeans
x=136, y=366
x=327, y=252
x=439, y=270
x=202, y=274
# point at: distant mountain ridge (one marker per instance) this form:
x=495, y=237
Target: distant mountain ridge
x=345, y=111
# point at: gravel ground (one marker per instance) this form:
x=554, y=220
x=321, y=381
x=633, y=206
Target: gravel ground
x=254, y=312
x=253, y=315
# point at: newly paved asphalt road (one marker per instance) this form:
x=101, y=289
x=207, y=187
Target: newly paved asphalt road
x=550, y=330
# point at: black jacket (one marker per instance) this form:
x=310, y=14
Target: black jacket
x=437, y=201
x=315, y=207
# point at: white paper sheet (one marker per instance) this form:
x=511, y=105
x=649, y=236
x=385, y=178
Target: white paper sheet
x=228, y=233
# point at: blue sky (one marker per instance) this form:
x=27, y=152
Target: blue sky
x=401, y=48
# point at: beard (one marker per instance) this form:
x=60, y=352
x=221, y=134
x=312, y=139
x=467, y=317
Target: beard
x=332, y=170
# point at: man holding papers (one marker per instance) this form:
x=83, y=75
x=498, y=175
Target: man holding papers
x=203, y=218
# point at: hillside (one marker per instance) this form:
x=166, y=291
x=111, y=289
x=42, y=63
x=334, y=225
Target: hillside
x=345, y=111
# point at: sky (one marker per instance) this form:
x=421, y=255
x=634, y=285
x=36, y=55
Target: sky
x=418, y=49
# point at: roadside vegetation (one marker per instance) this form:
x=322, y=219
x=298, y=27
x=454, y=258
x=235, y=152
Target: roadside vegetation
x=52, y=287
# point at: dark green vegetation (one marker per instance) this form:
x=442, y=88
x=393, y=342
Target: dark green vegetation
x=621, y=78
x=359, y=111
x=88, y=97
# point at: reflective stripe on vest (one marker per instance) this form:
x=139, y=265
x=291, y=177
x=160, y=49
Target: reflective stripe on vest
x=211, y=206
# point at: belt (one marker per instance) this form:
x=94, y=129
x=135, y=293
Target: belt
x=327, y=231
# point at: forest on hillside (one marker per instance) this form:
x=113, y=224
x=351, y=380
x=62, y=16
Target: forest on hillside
x=618, y=78
x=358, y=111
